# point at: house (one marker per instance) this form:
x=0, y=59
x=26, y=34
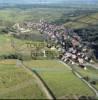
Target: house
x=80, y=60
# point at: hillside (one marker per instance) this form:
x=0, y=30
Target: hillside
x=83, y=21
x=86, y=27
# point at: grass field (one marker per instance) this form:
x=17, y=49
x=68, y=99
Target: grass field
x=77, y=22
x=15, y=83
x=21, y=47
x=5, y=45
x=59, y=78
x=90, y=72
x=31, y=91
x=9, y=16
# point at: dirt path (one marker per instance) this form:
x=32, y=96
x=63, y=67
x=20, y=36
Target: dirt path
x=87, y=83
x=69, y=97
x=65, y=65
x=42, y=85
x=91, y=65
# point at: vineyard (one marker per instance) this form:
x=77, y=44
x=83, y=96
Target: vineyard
x=43, y=54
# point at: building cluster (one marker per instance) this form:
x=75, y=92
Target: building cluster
x=67, y=42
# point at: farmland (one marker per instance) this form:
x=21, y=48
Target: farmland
x=91, y=73
x=5, y=42
x=59, y=75
x=83, y=21
x=9, y=16
x=17, y=83
x=21, y=55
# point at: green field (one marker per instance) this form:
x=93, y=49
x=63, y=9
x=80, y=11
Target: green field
x=90, y=72
x=5, y=45
x=16, y=83
x=59, y=78
x=80, y=21
x=21, y=47
x=9, y=16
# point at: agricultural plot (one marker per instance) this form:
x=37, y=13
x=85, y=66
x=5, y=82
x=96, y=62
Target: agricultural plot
x=91, y=73
x=96, y=86
x=34, y=14
x=59, y=78
x=75, y=25
x=81, y=22
x=18, y=47
x=29, y=49
x=5, y=45
x=15, y=83
x=9, y=45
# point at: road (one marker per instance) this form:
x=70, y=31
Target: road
x=86, y=82
x=42, y=85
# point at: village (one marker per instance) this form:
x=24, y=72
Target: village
x=68, y=43
x=49, y=51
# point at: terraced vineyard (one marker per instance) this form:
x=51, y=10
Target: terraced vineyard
x=22, y=76
x=17, y=83
x=59, y=79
